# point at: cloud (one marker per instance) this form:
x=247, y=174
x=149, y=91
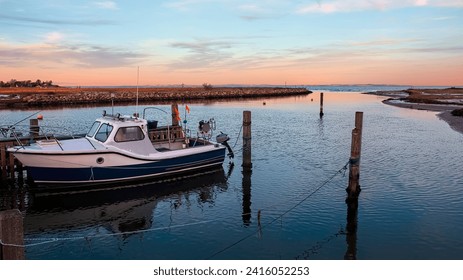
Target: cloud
x=53, y=37
x=264, y=10
x=84, y=22
x=201, y=53
x=334, y=6
x=215, y=56
x=70, y=56
x=184, y=5
x=443, y=18
x=107, y=5
x=382, y=42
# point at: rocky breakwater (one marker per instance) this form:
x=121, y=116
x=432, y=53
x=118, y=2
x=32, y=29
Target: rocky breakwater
x=118, y=95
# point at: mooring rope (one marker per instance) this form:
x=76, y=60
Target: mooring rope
x=238, y=137
x=272, y=206
x=59, y=239
x=281, y=215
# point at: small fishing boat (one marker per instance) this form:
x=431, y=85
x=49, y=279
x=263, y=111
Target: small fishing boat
x=123, y=148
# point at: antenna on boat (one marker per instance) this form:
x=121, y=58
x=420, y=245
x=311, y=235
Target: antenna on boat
x=136, y=104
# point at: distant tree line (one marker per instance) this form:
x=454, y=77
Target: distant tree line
x=206, y=86
x=27, y=83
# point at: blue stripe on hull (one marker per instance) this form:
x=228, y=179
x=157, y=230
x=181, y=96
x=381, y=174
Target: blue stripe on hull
x=118, y=173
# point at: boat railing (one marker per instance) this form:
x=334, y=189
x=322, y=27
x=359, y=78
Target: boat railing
x=24, y=135
x=168, y=133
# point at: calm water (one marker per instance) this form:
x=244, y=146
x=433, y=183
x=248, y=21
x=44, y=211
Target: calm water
x=410, y=207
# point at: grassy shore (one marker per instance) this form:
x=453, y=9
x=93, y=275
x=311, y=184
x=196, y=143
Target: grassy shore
x=449, y=102
x=31, y=97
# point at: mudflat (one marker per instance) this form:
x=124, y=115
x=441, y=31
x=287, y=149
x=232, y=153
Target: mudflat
x=445, y=101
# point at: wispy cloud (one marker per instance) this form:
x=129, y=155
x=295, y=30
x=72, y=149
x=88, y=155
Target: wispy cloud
x=442, y=18
x=108, y=5
x=184, y=5
x=382, y=42
x=333, y=6
x=85, y=22
x=202, y=53
x=212, y=56
x=48, y=55
x=263, y=10
x=53, y=37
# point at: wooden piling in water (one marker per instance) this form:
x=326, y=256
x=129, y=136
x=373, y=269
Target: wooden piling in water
x=321, y=104
x=34, y=128
x=11, y=235
x=353, y=188
x=8, y=163
x=3, y=161
x=247, y=168
x=11, y=167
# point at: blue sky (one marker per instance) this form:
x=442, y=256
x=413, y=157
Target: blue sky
x=413, y=42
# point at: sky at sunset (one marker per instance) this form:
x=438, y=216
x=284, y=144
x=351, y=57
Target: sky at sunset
x=191, y=42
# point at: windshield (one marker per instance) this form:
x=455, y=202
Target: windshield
x=103, y=132
x=92, y=130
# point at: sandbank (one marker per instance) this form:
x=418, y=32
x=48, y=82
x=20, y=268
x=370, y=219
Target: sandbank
x=443, y=101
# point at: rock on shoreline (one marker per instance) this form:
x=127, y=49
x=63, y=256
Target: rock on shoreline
x=62, y=96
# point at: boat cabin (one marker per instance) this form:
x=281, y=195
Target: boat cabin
x=139, y=135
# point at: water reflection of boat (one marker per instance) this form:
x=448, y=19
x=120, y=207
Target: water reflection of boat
x=119, y=210
x=123, y=148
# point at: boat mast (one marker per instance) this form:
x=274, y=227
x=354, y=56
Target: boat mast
x=136, y=104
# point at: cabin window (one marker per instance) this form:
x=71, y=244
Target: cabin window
x=92, y=130
x=132, y=133
x=103, y=133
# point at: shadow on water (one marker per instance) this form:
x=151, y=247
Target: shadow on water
x=351, y=229
x=246, y=182
x=125, y=209
x=350, y=232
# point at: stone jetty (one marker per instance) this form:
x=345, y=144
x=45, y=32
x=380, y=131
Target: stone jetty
x=14, y=97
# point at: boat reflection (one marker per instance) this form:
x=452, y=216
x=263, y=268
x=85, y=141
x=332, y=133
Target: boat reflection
x=122, y=210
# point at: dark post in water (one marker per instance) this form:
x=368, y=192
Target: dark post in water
x=247, y=168
x=3, y=161
x=34, y=128
x=11, y=233
x=353, y=189
x=321, y=104
x=11, y=165
x=354, y=162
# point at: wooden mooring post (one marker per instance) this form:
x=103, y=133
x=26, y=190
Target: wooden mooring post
x=8, y=163
x=353, y=188
x=321, y=105
x=3, y=161
x=34, y=128
x=247, y=168
x=11, y=235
